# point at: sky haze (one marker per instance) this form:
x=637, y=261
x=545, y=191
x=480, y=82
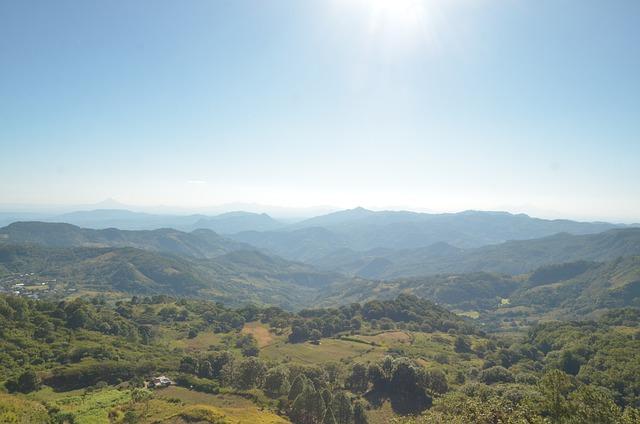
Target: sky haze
x=418, y=104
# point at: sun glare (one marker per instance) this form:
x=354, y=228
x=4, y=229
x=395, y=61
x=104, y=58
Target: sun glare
x=397, y=22
x=399, y=14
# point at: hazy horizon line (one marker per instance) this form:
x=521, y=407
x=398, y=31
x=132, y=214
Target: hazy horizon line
x=291, y=211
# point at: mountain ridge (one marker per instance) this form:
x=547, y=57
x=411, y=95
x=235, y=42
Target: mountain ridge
x=512, y=257
x=200, y=243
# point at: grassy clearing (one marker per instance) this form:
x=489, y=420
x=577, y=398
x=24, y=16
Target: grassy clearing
x=14, y=409
x=236, y=409
x=329, y=350
x=627, y=331
x=468, y=314
x=202, y=341
x=87, y=407
x=170, y=405
x=261, y=332
x=382, y=415
x=387, y=339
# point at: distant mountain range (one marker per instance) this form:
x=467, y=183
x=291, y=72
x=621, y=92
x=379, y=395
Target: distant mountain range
x=345, y=235
x=370, y=244
x=226, y=223
x=603, y=269
x=200, y=243
x=359, y=228
x=236, y=222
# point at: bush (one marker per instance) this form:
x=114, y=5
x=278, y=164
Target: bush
x=526, y=378
x=202, y=413
x=198, y=384
x=85, y=375
x=496, y=374
x=26, y=382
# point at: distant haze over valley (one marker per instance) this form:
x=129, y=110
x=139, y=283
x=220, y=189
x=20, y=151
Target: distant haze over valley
x=357, y=242
x=467, y=260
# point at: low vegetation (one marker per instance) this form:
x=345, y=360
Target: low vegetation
x=87, y=361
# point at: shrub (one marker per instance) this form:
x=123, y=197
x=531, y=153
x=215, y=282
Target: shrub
x=496, y=374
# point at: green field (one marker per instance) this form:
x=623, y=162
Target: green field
x=172, y=404
x=329, y=350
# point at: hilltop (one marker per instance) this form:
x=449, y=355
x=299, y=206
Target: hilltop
x=512, y=257
x=234, y=278
x=360, y=231
x=198, y=243
x=574, y=290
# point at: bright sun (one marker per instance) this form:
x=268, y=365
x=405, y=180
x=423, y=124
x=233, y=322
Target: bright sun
x=397, y=21
x=398, y=13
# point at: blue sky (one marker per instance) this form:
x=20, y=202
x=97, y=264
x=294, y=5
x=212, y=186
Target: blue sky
x=433, y=105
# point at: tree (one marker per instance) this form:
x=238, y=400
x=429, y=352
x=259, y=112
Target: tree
x=28, y=382
x=437, y=381
x=405, y=377
x=45, y=330
x=359, y=414
x=276, y=382
x=342, y=409
x=78, y=318
x=250, y=373
x=457, y=408
x=189, y=364
x=329, y=417
x=594, y=406
x=462, y=345
x=327, y=397
x=570, y=363
x=248, y=345
x=355, y=323
x=218, y=361
x=308, y=407
x=297, y=387
x=315, y=335
x=357, y=380
x=130, y=417
x=377, y=377
x=407, y=387
x=205, y=370
x=141, y=395
x=299, y=333
x=146, y=333
x=334, y=372
x=631, y=416
x=497, y=374
x=555, y=387
x=252, y=350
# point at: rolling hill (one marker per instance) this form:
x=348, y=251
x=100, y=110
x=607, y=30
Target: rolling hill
x=367, y=229
x=234, y=278
x=572, y=290
x=362, y=230
x=236, y=222
x=198, y=244
x=124, y=219
x=113, y=215
x=512, y=257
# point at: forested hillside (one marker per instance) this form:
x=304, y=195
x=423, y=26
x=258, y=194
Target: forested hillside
x=198, y=244
x=360, y=231
x=524, y=336
x=234, y=278
x=87, y=361
x=513, y=257
x=569, y=290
